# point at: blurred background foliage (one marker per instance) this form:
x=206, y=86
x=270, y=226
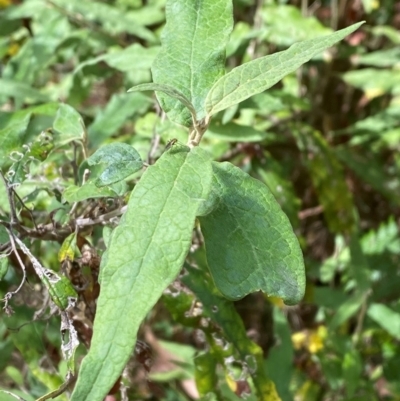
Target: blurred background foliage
x=326, y=141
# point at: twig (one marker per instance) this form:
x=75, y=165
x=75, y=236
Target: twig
x=312, y=211
x=14, y=218
x=10, y=294
x=360, y=318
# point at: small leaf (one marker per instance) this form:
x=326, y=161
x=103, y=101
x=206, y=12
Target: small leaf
x=347, y=310
x=3, y=266
x=205, y=373
x=385, y=317
x=117, y=111
x=250, y=243
x=168, y=90
x=192, y=55
x=134, y=57
x=21, y=91
x=12, y=136
x=89, y=190
x=121, y=159
x=144, y=256
x=68, y=248
x=233, y=132
x=69, y=125
x=352, y=366
x=258, y=75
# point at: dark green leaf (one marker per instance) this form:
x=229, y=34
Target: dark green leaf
x=249, y=241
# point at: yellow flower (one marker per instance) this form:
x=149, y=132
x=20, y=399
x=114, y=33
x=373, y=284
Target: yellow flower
x=5, y=3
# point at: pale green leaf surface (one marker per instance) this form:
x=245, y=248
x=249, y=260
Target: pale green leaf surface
x=250, y=243
x=89, y=190
x=192, y=56
x=21, y=91
x=121, y=159
x=286, y=25
x=168, y=90
x=68, y=125
x=117, y=111
x=374, y=81
x=145, y=254
x=113, y=20
x=134, y=57
x=258, y=75
x=386, y=317
x=3, y=266
x=233, y=132
x=13, y=134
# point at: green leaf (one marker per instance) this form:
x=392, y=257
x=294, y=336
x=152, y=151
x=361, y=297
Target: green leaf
x=205, y=373
x=286, y=25
x=112, y=19
x=144, y=256
x=168, y=90
x=352, y=366
x=373, y=81
x=281, y=354
x=192, y=56
x=116, y=113
x=249, y=241
x=371, y=169
x=135, y=57
x=121, y=159
x=258, y=75
x=385, y=317
x=347, y=309
x=69, y=125
x=12, y=136
x=225, y=315
x=22, y=92
x=233, y=132
x=88, y=190
x=328, y=179
x=3, y=266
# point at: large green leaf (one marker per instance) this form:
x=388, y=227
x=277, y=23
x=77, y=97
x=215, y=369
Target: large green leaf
x=258, y=75
x=249, y=241
x=192, y=56
x=145, y=254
